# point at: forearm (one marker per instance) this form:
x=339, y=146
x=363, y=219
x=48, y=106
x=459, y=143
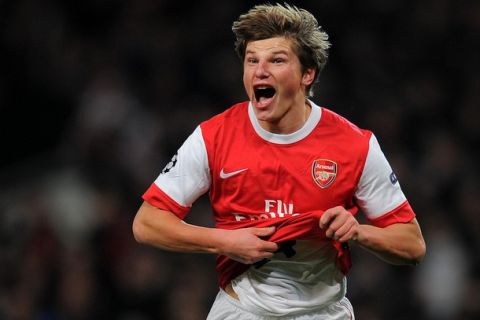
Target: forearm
x=165, y=230
x=397, y=244
x=168, y=232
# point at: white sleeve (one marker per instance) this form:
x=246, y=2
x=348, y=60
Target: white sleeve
x=187, y=176
x=378, y=190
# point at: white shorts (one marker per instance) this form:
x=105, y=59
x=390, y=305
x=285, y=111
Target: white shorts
x=227, y=308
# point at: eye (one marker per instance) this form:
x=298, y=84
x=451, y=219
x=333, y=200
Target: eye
x=252, y=60
x=278, y=60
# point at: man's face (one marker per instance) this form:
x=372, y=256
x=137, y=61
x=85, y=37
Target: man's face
x=274, y=82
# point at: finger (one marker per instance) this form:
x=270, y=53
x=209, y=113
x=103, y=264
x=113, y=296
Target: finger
x=329, y=215
x=339, y=221
x=350, y=235
x=266, y=245
x=263, y=232
x=336, y=224
x=268, y=255
x=262, y=254
x=326, y=218
x=269, y=247
x=343, y=229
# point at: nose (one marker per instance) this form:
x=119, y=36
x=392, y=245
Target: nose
x=261, y=71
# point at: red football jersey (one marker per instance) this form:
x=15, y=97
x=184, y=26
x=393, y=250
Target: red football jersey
x=253, y=175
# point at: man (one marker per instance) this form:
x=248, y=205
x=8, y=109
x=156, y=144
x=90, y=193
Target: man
x=285, y=178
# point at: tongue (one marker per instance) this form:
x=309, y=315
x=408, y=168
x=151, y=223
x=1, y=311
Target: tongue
x=263, y=99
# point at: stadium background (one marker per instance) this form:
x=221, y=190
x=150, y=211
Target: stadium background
x=96, y=96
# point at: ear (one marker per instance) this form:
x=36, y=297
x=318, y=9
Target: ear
x=308, y=77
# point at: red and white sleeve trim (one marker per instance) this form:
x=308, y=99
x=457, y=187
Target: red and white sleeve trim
x=401, y=214
x=157, y=198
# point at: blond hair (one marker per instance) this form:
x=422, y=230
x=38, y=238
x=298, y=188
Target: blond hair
x=267, y=21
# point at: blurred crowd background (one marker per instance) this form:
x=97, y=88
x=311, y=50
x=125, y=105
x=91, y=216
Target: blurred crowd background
x=97, y=95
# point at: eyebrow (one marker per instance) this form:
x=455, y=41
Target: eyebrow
x=279, y=51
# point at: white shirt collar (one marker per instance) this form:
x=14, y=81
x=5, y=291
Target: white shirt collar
x=298, y=135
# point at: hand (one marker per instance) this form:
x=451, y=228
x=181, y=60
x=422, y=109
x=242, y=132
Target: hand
x=339, y=224
x=246, y=245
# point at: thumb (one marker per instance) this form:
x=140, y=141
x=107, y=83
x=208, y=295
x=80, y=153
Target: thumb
x=262, y=232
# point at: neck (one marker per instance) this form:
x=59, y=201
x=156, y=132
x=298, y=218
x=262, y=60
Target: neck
x=291, y=121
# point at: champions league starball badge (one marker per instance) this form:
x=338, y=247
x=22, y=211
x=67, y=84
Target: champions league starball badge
x=324, y=172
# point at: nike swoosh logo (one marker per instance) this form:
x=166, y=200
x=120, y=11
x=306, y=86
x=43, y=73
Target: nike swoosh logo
x=225, y=175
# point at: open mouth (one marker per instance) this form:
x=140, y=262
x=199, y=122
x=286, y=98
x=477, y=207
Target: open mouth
x=263, y=93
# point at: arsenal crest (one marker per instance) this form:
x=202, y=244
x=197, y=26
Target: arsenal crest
x=324, y=172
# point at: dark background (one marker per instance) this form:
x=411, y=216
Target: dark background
x=96, y=96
